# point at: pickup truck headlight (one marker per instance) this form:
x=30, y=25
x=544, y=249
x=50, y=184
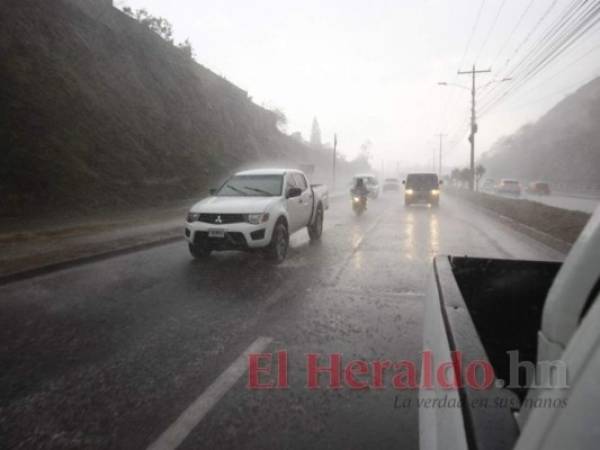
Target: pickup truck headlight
x=409, y=192
x=192, y=217
x=256, y=219
x=435, y=192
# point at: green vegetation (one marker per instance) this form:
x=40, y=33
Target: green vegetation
x=99, y=113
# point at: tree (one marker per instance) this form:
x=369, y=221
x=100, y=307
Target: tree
x=159, y=25
x=479, y=172
x=186, y=48
x=315, y=134
x=365, y=150
x=455, y=176
x=281, y=119
x=465, y=176
x=362, y=162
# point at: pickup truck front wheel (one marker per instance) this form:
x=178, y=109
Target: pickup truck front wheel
x=280, y=241
x=315, y=229
x=199, y=251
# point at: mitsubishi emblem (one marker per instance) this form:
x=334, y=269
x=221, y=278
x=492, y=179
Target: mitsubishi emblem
x=218, y=220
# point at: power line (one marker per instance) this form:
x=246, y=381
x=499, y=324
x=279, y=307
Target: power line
x=568, y=65
x=489, y=33
x=564, y=90
x=563, y=68
x=548, y=60
x=462, y=60
x=526, y=39
x=565, y=33
x=503, y=70
x=513, y=31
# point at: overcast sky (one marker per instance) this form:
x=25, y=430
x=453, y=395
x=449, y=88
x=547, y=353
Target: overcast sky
x=369, y=69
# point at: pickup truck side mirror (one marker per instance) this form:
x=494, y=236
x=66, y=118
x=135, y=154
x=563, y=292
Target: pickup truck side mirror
x=441, y=182
x=294, y=192
x=212, y=191
x=403, y=181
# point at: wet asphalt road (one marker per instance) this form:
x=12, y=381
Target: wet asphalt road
x=109, y=354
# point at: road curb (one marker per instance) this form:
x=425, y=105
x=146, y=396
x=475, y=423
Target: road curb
x=71, y=262
x=540, y=236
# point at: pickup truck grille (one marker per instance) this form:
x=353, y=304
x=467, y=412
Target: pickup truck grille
x=219, y=219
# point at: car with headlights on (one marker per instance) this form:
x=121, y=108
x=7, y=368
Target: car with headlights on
x=422, y=188
x=257, y=210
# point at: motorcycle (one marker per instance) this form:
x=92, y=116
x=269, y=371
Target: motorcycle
x=359, y=204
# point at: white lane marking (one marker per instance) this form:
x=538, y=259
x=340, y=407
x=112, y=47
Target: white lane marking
x=173, y=436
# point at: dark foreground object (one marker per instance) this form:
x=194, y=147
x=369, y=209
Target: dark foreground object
x=489, y=307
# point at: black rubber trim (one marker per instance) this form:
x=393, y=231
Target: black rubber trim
x=590, y=300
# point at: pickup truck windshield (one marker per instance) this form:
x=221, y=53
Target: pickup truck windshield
x=252, y=186
x=422, y=181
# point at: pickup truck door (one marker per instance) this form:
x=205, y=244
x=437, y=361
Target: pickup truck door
x=295, y=205
x=306, y=199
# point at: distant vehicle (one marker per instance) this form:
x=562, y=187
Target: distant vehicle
x=257, y=209
x=488, y=184
x=359, y=204
x=371, y=183
x=507, y=186
x=538, y=188
x=391, y=184
x=422, y=188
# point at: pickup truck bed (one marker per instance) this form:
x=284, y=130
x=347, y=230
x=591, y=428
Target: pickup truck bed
x=544, y=394
x=482, y=308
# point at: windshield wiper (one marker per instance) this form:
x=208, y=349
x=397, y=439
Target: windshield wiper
x=239, y=191
x=260, y=191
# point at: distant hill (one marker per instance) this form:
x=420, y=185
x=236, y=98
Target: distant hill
x=562, y=147
x=97, y=111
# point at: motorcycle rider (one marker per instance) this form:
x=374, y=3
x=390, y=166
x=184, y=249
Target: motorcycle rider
x=360, y=190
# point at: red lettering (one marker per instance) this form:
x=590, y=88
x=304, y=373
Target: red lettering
x=427, y=369
x=255, y=370
x=334, y=370
x=362, y=368
x=406, y=376
x=458, y=373
x=282, y=367
x=450, y=368
x=488, y=374
x=378, y=368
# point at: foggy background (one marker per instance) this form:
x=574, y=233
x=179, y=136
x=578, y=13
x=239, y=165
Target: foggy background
x=369, y=70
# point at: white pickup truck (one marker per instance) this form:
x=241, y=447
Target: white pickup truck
x=535, y=326
x=257, y=210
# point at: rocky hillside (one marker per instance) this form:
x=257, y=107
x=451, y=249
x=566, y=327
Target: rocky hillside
x=97, y=111
x=562, y=147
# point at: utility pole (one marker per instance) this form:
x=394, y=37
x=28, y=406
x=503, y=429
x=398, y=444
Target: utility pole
x=441, y=136
x=473, y=72
x=334, y=159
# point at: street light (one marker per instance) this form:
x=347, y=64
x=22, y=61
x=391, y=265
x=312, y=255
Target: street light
x=445, y=83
